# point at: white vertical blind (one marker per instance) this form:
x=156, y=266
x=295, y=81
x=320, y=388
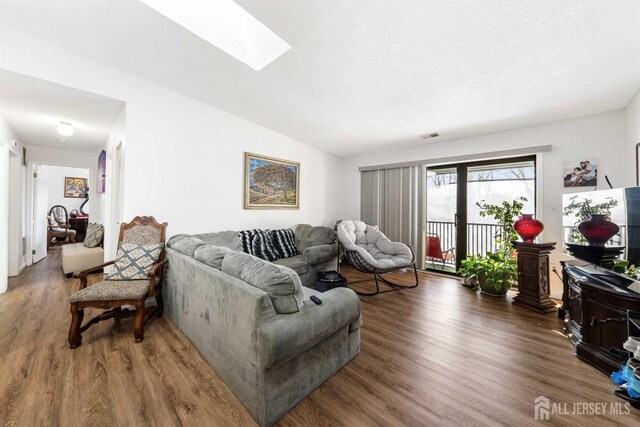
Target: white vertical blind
x=394, y=200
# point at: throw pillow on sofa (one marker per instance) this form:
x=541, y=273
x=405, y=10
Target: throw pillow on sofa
x=262, y=246
x=246, y=236
x=259, y=243
x=94, y=236
x=281, y=283
x=133, y=260
x=285, y=243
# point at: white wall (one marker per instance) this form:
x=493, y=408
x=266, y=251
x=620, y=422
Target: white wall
x=184, y=159
x=632, y=132
x=53, y=177
x=11, y=204
x=601, y=136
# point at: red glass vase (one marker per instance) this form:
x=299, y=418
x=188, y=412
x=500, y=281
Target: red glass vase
x=528, y=227
x=598, y=229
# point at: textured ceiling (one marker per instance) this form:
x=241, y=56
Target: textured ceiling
x=33, y=108
x=375, y=74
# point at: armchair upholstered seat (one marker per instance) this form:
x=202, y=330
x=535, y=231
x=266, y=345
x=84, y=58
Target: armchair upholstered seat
x=370, y=251
x=112, y=290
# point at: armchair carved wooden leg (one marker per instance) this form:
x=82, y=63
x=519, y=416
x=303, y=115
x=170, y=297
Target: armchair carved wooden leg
x=138, y=324
x=75, y=334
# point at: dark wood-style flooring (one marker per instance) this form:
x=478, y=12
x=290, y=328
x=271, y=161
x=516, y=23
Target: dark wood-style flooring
x=439, y=354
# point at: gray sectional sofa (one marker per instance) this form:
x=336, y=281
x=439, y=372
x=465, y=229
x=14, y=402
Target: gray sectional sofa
x=253, y=320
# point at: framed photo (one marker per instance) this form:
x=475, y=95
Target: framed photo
x=75, y=188
x=102, y=172
x=581, y=173
x=271, y=183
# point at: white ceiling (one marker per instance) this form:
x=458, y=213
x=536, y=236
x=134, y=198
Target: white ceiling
x=33, y=108
x=375, y=73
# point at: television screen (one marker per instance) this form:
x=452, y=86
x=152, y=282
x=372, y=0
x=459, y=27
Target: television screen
x=621, y=206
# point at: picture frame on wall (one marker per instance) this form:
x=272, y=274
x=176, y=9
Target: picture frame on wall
x=75, y=188
x=638, y=164
x=271, y=183
x=580, y=173
x=102, y=172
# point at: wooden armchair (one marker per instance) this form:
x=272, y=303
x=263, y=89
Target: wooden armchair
x=113, y=294
x=58, y=226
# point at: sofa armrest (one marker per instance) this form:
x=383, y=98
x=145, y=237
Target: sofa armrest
x=287, y=335
x=321, y=253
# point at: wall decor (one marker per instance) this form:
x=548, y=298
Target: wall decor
x=102, y=172
x=271, y=183
x=75, y=187
x=581, y=173
x=638, y=164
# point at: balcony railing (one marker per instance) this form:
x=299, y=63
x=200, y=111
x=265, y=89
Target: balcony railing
x=480, y=237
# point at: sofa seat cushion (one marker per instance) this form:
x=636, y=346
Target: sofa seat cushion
x=284, y=337
x=296, y=263
x=282, y=284
x=112, y=290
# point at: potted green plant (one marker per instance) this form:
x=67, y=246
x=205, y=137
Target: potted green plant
x=495, y=273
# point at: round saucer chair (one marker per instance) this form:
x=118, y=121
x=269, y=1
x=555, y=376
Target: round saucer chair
x=370, y=251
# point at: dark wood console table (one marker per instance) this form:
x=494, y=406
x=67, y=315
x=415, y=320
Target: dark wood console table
x=594, y=304
x=80, y=225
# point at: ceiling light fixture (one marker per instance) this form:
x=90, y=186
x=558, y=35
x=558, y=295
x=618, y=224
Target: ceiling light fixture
x=65, y=129
x=227, y=26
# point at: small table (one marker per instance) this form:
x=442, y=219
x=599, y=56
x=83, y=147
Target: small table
x=533, y=276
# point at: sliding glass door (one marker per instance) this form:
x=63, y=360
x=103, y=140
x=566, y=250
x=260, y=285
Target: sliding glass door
x=454, y=225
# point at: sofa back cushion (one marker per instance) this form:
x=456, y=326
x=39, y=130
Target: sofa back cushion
x=307, y=236
x=187, y=245
x=211, y=255
x=229, y=239
x=285, y=243
x=281, y=283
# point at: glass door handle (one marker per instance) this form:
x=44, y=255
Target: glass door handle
x=456, y=220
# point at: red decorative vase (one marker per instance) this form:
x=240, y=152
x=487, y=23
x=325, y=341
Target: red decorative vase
x=528, y=228
x=598, y=229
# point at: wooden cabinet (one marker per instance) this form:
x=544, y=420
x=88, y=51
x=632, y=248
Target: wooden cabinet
x=80, y=225
x=595, y=304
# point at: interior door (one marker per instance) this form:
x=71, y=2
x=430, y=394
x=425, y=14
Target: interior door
x=40, y=205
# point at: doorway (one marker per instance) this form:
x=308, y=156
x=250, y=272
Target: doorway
x=59, y=200
x=454, y=225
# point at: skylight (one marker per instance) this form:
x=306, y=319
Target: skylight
x=227, y=26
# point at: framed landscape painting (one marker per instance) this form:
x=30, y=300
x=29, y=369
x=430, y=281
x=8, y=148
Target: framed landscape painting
x=75, y=187
x=271, y=183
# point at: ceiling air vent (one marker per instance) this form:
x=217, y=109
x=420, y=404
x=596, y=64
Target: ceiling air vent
x=430, y=135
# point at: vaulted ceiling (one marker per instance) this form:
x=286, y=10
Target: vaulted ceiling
x=367, y=74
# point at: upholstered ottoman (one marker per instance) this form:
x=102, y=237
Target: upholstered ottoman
x=77, y=257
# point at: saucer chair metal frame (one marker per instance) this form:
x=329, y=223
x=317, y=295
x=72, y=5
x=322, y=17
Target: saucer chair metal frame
x=362, y=265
